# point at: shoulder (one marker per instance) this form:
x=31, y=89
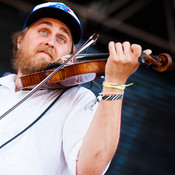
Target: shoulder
x=8, y=76
x=8, y=81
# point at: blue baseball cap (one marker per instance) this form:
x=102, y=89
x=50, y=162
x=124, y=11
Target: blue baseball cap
x=58, y=11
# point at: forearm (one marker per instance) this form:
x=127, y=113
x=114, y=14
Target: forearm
x=102, y=138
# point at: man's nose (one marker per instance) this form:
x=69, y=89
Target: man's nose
x=50, y=43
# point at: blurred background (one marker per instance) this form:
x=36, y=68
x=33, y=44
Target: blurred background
x=147, y=141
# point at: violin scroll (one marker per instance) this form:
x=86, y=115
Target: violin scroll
x=160, y=63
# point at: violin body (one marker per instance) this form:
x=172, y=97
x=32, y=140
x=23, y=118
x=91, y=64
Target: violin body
x=71, y=75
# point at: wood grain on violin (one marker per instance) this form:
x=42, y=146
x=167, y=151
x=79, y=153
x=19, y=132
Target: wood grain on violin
x=70, y=75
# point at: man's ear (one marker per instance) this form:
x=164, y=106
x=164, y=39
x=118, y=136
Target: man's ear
x=74, y=48
x=19, y=41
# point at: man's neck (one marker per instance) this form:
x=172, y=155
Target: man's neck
x=17, y=82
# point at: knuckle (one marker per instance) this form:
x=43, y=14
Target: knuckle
x=111, y=43
x=136, y=46
x=126, y=43
x=118, y=44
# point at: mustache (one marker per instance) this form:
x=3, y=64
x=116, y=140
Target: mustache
x=48, y=50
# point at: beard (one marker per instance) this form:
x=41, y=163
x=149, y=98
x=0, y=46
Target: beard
x=25, y=62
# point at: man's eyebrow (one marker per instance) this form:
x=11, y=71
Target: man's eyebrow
x=61, y=28
x=65, y=31
x=45, y=22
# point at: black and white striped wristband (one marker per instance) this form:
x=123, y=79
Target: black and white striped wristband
x=110, y=96
x=103, y=97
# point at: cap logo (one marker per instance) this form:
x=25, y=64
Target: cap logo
x=44, y=5
x=60, y=6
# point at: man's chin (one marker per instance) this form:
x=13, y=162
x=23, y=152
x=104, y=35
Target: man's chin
x=34, y=63
x=45, y=56
x=34, y=68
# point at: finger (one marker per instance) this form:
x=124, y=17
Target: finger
x=147, y=51
x=119, y=50
x=112, y=51
x=126, y=48
x=136, y=49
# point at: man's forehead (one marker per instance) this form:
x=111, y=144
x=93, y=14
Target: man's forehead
x=53, y=22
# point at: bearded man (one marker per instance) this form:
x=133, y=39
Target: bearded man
x=65, y=139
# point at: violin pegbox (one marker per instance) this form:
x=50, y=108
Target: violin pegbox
x=160, y=63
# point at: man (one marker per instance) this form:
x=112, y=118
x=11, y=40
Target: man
x=67, y=139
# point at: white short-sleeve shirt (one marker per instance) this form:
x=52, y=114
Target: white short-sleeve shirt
x=51, y=146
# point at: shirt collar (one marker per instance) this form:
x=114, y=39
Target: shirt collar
x=9, y=81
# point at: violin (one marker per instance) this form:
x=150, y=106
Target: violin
x=86, y=68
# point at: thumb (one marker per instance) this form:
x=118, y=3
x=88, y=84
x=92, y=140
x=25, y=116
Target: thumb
x=147, y=51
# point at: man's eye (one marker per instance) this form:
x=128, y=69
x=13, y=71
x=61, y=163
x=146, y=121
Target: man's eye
x=61, y=39
x=43, y=32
